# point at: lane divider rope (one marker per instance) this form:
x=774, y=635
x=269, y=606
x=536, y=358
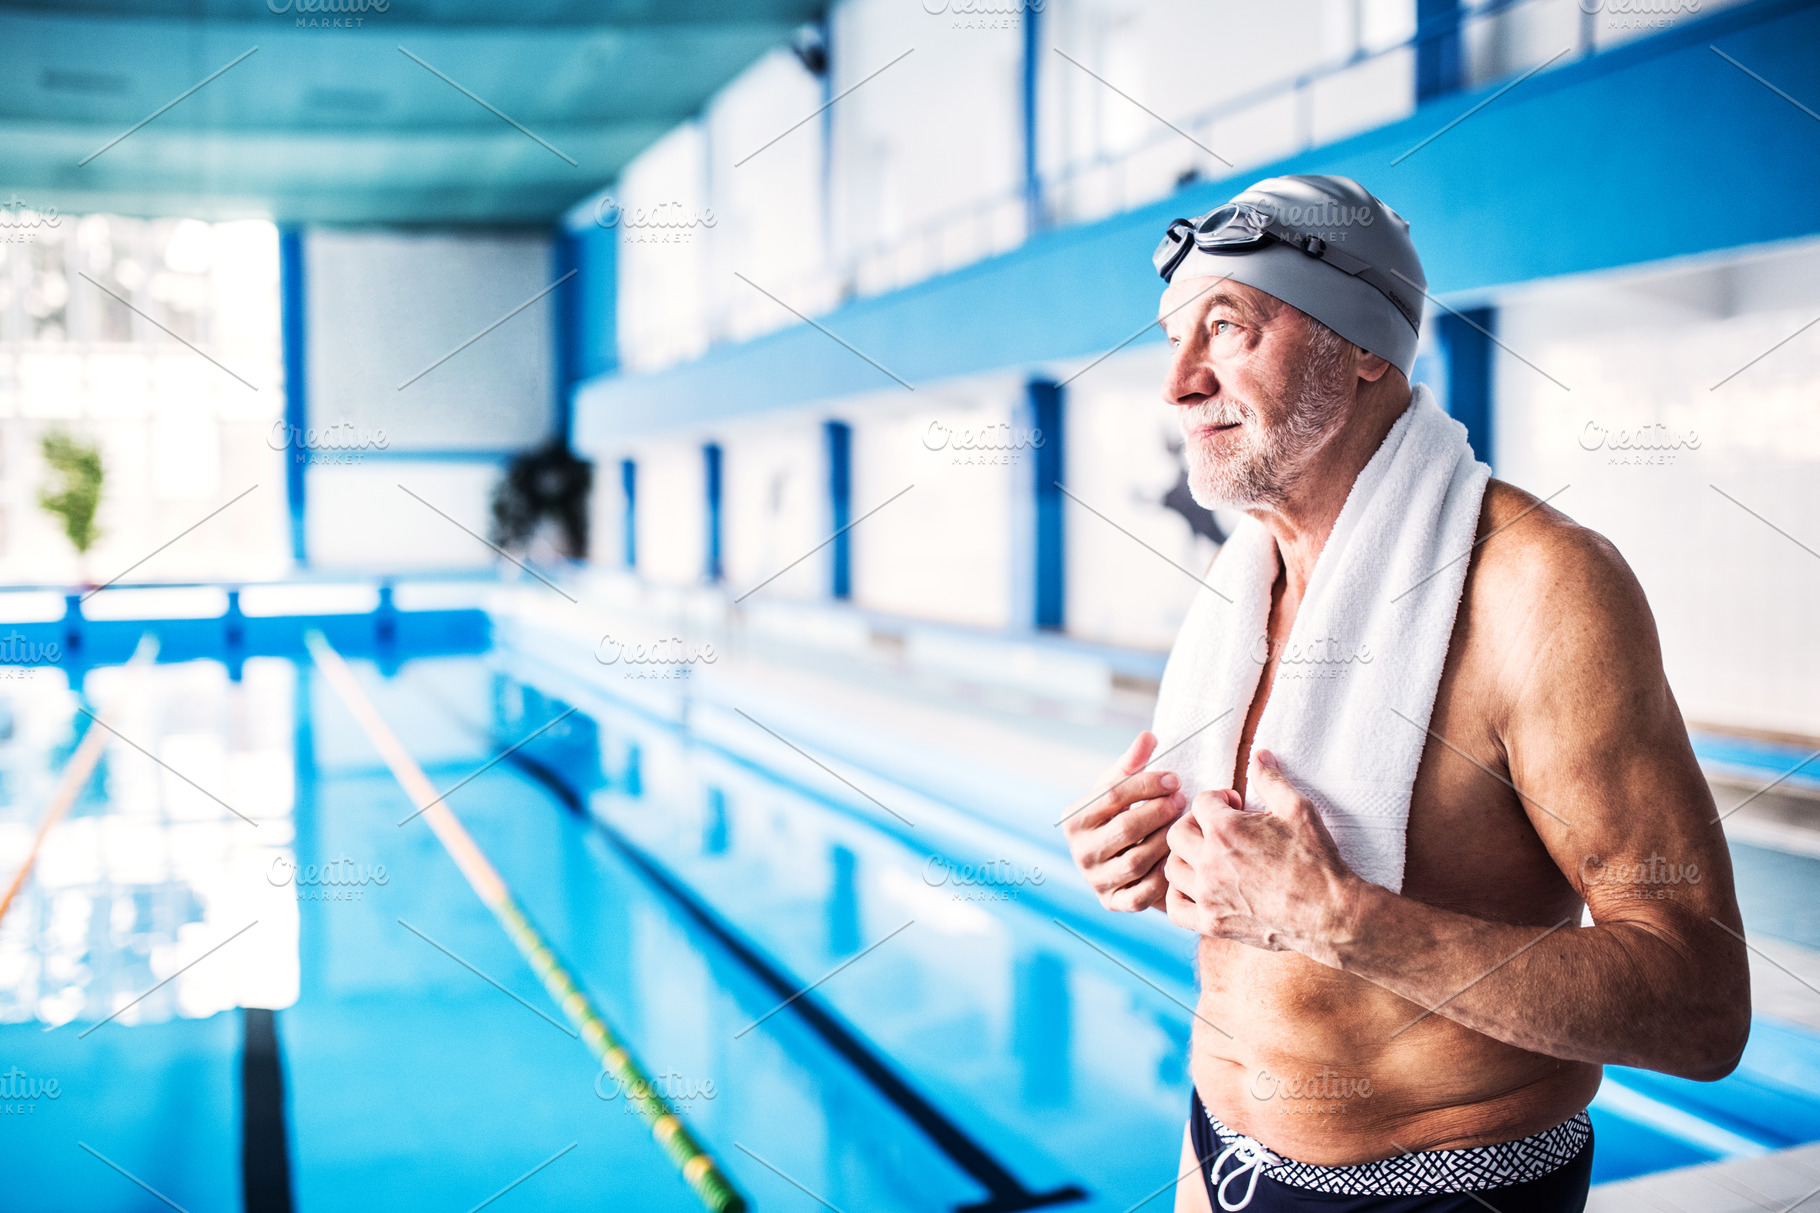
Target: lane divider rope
x=76, y=774
x=698, y=1167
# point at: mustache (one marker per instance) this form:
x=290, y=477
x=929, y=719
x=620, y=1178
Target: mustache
x=1235, y=413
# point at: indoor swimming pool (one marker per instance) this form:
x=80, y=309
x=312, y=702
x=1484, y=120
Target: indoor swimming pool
x=976, y=1035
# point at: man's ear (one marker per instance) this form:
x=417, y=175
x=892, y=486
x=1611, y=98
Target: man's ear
x=1371, y=367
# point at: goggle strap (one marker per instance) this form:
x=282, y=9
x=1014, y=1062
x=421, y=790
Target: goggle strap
x=1346, y=263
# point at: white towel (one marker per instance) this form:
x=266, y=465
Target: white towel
x=1349, y=709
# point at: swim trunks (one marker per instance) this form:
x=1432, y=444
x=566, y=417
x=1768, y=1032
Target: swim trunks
x=1548, y=1172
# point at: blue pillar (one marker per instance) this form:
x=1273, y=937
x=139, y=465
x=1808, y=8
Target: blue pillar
x=1031, y=15
x=840, y=502
x=1048, y=471
x=586, y=314
x=296, y=414
x=1469, y=370
x=1042, y=1024
x=1439, y=68
x=714, y=824
x=843, y=902
x=710, y=454
x=628, y=483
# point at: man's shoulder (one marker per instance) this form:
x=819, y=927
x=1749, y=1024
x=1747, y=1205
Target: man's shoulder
x=1538, y=572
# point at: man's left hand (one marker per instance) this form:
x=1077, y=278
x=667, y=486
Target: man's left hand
x=1273, y=880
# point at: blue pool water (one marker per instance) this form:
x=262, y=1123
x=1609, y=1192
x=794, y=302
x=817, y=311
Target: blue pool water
x=961, y=1042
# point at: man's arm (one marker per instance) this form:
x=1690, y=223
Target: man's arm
x=1599, y=755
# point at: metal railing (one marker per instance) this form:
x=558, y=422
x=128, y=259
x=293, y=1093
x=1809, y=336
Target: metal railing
x=1111, y=182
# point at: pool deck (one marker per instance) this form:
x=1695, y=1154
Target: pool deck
x=1784, y=1181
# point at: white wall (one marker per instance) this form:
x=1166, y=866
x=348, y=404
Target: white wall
x=672, y=512
x=1734, y=600
x=728, y=193
x=1195, y=64
x=774, y=479
x=1120, y=464
x=358, y=518
x=944, y=549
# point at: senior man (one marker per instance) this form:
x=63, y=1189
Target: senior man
x=1417, y=779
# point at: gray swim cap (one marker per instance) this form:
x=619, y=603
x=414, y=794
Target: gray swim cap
x=1321, y=244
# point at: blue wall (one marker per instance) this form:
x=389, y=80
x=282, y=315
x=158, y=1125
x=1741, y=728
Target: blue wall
x=1605, y=162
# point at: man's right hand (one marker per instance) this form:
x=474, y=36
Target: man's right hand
x=1120, y=839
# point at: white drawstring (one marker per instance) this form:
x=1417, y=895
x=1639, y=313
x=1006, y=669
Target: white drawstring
x=1253, y=1159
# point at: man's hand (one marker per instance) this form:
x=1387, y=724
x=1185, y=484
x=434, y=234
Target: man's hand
x=1119, y=839
x=1273, y=880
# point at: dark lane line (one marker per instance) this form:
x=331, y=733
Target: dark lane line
x=265, y=1164
x=1007, y=1193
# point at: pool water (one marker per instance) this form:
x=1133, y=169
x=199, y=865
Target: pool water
x=963, y=1044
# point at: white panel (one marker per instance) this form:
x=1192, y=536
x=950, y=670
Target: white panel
x=774, y=485
x=383, y=306
x=176, y=602
x=944, y=549
x=359, y=517
x=309, y=598
x=672, y=513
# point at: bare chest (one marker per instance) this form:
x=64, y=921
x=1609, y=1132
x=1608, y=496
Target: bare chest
x=1471, y=845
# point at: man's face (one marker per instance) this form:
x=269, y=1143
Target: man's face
x=1260, y=389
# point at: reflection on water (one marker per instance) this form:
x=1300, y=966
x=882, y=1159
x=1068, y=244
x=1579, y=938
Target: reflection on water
x=152, y=867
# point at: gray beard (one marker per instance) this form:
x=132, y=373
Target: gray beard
x=1269, y=463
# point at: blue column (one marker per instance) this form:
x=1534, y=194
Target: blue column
x=1439, y=68
x=586, y=313
x=1048, y=471
x=710, y=454
x=1468, y=345
x=628, y=483
x=1042, y=1036
x=843, y=902
x=296, y=413
x=840, y=502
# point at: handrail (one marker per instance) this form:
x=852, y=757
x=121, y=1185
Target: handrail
x=840, y=280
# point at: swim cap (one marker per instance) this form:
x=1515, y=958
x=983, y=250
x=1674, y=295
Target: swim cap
x=1319, y=243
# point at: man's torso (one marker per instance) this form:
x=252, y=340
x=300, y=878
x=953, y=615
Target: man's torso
x=1325, y=1067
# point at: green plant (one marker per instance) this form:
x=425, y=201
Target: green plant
x=78, y=463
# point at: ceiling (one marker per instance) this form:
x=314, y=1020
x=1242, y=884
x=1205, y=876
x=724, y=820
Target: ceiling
x=329, y=121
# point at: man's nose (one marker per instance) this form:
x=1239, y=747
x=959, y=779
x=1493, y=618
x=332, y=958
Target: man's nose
x=1190, y=380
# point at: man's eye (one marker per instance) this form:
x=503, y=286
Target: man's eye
x=1220, y=327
